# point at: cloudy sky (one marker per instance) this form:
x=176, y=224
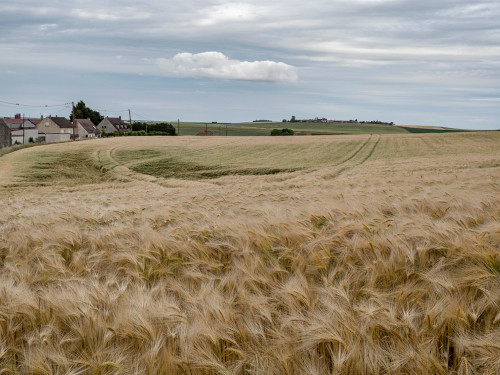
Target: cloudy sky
x=410, y=62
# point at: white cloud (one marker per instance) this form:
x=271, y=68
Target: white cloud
x=47, y=26
x=227, y=13
x=217, y=65
x=122, y=14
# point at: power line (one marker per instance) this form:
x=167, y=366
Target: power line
x=63, y=106
x=60, y=110
x=110, y=111
x=35, y=106
x=139, y=115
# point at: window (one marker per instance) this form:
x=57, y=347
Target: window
x=47, y=123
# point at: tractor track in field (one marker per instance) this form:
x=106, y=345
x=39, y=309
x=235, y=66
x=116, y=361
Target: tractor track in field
x=360, y=156
x=355, y=153
x=106, y=158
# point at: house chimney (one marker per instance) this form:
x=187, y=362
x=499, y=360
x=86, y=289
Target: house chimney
x=120, y=117
x=17, y=116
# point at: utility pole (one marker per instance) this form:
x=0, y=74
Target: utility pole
x=22, y=125
x=130, y=119
x=178, y=130
x=74, y=120
x=226, y=130
x=206, y=128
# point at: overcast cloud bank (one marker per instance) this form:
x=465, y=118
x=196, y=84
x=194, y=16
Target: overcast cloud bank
x=431, y=62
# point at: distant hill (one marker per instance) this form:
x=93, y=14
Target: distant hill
x=305, y=128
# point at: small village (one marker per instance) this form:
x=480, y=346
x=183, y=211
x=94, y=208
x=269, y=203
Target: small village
x=19, y=130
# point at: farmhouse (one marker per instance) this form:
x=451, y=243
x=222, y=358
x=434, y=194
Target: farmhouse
x=86, y=129
x=55, y=129
x=22, y=130
x=113, y=124
x=5, y=137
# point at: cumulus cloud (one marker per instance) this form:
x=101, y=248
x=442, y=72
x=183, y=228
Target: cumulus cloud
x=217, y=65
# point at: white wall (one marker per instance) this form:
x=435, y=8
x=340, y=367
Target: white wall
x=51, y=137
x=17, y=135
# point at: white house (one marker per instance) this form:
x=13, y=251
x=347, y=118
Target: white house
x=22, y=130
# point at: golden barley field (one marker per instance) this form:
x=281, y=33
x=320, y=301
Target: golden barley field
x=361, y=254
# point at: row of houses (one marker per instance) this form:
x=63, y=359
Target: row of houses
x=17, y=130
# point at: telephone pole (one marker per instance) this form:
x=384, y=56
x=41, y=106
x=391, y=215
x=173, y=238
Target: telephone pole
x=130, y=119
x=178, y=130
x=74, y=120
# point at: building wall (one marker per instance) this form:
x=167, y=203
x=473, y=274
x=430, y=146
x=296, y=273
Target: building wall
x=52, y=132
x=47, y=126
x=106, y=126
x=57, y=137
x=83, y=134
x=17, y=135
x=5, y=136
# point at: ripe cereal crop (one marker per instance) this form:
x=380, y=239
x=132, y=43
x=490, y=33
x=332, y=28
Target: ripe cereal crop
x=355, y=254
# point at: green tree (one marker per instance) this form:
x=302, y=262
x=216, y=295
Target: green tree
x=285, y=131
x=82, y=111
x=155, y=128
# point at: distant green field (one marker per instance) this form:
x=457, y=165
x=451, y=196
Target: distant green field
x=411, y=129
x=300, y=128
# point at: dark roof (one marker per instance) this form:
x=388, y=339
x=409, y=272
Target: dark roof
x=62, y=122
x=116, y=121
x=17, y=122
x=119, y=124
x=88, y=125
